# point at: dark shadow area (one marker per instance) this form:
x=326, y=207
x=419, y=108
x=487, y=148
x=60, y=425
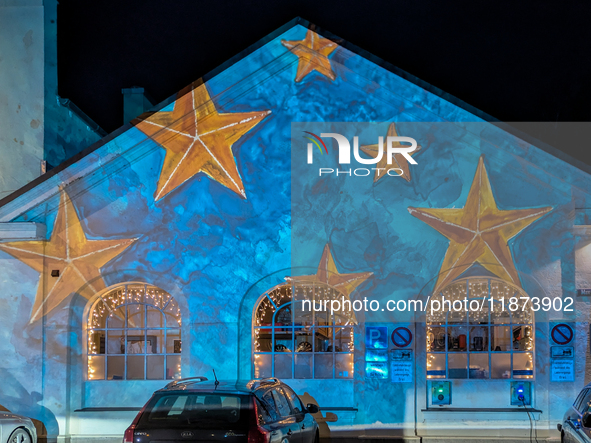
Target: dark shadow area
x=16, y=399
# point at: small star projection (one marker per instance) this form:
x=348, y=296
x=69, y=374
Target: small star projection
x=400, y=163
x=197, y=138
x=68, y=261
x=327, y=273
x=312, y=53
x=479, y=232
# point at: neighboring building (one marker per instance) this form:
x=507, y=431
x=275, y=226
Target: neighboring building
x=38, y=128
x=179, y=244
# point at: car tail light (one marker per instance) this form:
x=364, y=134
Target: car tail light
x=256, y=433
x=128, y=436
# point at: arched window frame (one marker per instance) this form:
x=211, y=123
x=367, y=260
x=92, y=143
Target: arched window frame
x=500, y=321
x=330, y=337
x=157, y=345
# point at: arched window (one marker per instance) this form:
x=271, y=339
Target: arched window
x=480, y=328
x=296, y=336
x=134, y=334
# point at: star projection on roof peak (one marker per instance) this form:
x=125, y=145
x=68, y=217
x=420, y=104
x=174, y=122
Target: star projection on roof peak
x=312, y=53
x=198, y=138
x=479, y=232
x=400, y=163
x=68, y=251
x=327, y=273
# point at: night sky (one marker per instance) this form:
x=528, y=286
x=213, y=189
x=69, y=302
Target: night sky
x=516, y=61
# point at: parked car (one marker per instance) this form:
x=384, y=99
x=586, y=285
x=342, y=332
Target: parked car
x=576, y=423
x=195, y=409
x=15, y=428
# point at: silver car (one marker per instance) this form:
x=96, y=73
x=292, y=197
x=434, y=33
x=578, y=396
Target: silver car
x=576, y=423
x=16, y=429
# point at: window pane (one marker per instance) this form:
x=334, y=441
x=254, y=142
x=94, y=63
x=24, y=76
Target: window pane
x=135, y=367
x=115, y=368
x=303, y=340
x=155, y=318
x=343, y=339
x=155, y=367
x=173, y=366
x=436, y=339
x=436, y=315
x=96, y=342
x=323, y=365
x=501, y=365
x=324, y=340
x=435, y=365
x=344, y=366
x=283, y=340
x=136, y=316
x=523, y=365
x=522, y=338
x=457, y=339
x=479, y=339
x=283, y=316
x=501, y=338
x=523, y=315
x=262, y=366
x=98, y=315
x=116, y=318
x=155, y=341
x=457, y=365
x=96, y=368
x=172, y=315
x=479, y=365
x=173, y=341
x=303, y=309
x=283, y=365
x=116, y=342
x=303, y=366
x=262, y=340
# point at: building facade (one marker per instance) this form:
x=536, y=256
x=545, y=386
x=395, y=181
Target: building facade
x=193, y=239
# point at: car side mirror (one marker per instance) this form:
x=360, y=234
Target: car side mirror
x=312, y=408
x=586, y=420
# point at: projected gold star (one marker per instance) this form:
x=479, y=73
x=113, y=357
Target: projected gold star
x=400, y=163
x=68, y=251
x=197, y=138
x=479, y=232
x=312, y=53
x=328, y=273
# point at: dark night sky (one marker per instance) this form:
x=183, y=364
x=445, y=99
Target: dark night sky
x=515, y=60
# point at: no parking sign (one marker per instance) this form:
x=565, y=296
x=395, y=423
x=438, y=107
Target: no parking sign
x=562, y=333
x=401, y=337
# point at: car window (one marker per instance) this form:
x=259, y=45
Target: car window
x=584, y=405
x=294, y=400
x=577, y=403
x=270, y=406
x=282, y=405
x=210, y=411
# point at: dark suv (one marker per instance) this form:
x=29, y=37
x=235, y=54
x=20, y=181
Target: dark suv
x=194, y=409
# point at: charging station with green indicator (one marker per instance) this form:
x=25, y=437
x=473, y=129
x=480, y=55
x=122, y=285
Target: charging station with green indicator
x=441, y=393
x=520, y=393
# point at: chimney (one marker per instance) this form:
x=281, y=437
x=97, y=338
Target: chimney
x=135, y=102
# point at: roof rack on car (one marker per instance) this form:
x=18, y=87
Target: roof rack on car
x=185, y=381
x=265, y=381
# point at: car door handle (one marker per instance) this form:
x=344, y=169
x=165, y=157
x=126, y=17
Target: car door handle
x=303, y=426
x=289, y=432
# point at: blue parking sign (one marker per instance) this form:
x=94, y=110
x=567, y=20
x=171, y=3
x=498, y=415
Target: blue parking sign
x=376, y=337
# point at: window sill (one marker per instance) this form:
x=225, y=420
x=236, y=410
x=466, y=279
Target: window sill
x=494, y=410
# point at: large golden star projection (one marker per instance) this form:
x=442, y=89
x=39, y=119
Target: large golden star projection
x=400, y=162
x=479, y=232
x=328, y=273
x=197, y=138
x=312, y=54
x=68, y=251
